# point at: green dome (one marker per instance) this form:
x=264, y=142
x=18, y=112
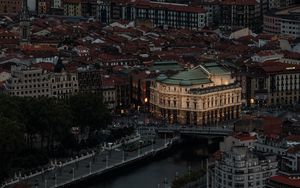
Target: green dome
x=185, y=83
x=161, y=77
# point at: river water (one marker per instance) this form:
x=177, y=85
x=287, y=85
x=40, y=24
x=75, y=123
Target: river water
x=189, y=155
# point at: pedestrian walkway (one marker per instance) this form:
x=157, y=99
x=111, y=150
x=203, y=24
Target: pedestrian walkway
x=93, y=164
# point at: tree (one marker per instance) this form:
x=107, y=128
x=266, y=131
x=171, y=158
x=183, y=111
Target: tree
x=11, y=139
x=89, y=112
x=9, y=108
x=60, y=119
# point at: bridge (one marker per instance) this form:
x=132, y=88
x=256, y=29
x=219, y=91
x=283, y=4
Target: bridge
x=210, y=131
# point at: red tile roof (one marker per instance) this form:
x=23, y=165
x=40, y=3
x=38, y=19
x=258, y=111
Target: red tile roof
x=265, y=53
x=239, y=2
x=44, y=66
x=166, y=6
x=107, y=82
x=294, y=149
x=278, y=67
x=292, y=55
x=285, y=180
x=272, y=126
x=244, y=136
x=293, y=138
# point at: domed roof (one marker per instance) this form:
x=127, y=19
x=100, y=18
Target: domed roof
x=185, y=83
x=161, y=77
x=186, y=78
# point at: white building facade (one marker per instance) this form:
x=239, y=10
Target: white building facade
x=159, y=13
x=35, y=82
x=204, y=95
x=241, y=168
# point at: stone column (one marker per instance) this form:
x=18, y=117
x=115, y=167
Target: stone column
x=229, y=111
x=181, y=117
x=234, y=112
x=204, y=118
x=199, y=119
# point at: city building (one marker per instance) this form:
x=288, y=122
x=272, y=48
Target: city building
x=57, y=4
x=10, y=6
x=276, y=4
x=89, y=80
x=283, y=22
x=109, y=92
x=272, y=83
x=203, y=95
x=159, y=13
x=43, y=6
x=89, y=8
x=212, y=8
x=24, y=24
x=140, y=88
x=36, y=82
x=72, y=7
x=122, y=84
x=109, y=61
x=238, y=139
x=9, y=39
x=277, y=146
x=289, y=173
x=238, y=14
x=116, y=92
x=57, y=7
x=291, y=160
x=63, y=84
x=280, y=181
x=263, y=56
x=241, y=167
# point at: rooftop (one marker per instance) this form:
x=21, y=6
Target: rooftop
x=188, y=78
x=215, y=68
x=197, y=75
x=168, y=6
x=292, y=13
x=165, y=66
x=244, y=136
x=285, y=180
x=213, y=89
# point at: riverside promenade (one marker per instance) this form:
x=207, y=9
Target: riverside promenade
x=93, y=164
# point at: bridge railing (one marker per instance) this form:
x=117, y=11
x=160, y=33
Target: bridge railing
x=203, y=130
x=101, y=170
x=51, y=167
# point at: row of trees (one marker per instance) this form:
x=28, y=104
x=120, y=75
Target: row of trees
x=34, y=129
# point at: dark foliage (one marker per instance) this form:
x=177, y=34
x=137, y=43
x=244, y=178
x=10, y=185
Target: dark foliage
x=32, y=130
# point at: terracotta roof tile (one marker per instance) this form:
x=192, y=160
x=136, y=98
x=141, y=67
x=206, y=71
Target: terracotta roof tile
x=285, y=180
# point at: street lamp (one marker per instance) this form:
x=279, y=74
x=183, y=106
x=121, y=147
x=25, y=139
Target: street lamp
x=252, y=101
x=106, y=161
x=90, y=167
x=73, y=173
x=55, y=180
x=145, y=109
x=45, y=183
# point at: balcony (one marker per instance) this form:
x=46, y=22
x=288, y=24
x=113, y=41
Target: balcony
x=198, y=91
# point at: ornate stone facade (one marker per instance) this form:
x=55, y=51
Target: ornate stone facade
x=200, y=96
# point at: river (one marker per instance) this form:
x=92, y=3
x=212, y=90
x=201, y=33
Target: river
x=190, y=154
